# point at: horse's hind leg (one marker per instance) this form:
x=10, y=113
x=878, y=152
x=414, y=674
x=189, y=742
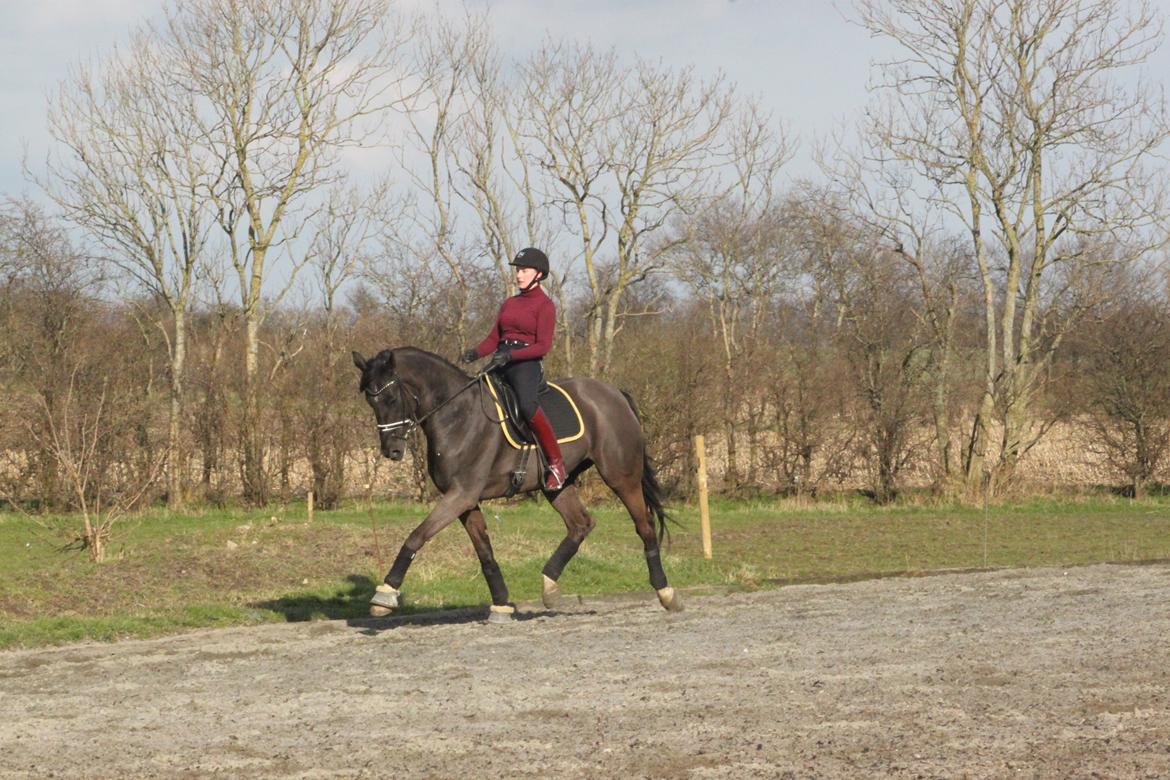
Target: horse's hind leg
x=578, y=523
x=476, y=528
x=629, y=490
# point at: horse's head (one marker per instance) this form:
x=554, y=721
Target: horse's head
x=386, y=395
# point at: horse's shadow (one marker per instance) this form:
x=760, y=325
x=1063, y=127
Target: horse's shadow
x=351, y=603
x=353, y=606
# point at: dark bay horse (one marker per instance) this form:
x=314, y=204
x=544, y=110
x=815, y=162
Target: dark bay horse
x=469, y=461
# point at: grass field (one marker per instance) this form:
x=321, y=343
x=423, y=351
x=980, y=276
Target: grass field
x=169, y=572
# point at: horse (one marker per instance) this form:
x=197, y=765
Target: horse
x=469, y=461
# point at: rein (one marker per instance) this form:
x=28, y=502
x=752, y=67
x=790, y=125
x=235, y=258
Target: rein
x=412, y=422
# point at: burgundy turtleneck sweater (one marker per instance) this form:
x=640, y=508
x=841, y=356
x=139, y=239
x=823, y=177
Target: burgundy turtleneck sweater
x=530, y=317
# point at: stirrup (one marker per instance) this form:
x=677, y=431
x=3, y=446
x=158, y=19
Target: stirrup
x=555, y=478
x=519, y=474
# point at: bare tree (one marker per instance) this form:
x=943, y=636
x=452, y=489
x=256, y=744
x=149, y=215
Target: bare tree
x=624, y=150
x=880, y=341
x=134, y=173
x=48, y=286
x=669, y=368
x=878, y=335
x=445, y=55
x=215, y=328
x=1122, y=382
x=281, y=88
x=880, y=193
x=74, y=409
x=808, y=398
x=82, y=433
x=565, y=103
x=1011, y=114
x=475, y=198
x=498, y=182
x=733, y=258
x=346, y=227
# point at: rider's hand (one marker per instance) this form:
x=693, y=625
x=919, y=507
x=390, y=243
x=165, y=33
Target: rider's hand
x=500, y=358
x=469, y=355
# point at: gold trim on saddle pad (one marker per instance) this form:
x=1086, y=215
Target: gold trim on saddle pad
x=504, y=421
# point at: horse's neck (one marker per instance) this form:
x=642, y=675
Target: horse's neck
x=437, y=384
x=432, y=380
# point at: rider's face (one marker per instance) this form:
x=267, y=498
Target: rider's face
x=525, y=277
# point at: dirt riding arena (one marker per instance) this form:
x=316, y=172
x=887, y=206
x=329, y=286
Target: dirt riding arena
x=1031, y=673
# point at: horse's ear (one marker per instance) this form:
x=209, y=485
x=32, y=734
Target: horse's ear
x=359, y=361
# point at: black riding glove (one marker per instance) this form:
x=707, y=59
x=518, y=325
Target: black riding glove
x=500, y=358
x=469, y=355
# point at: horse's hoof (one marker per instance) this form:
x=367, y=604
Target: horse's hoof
x=551, y=596
x=385, y=600
x=501, y=613
x=669, y=599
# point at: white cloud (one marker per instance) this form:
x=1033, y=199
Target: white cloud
x=801, y=58
x=53, y=15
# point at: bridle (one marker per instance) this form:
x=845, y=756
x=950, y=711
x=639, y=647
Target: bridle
x=413, y=421
x=409, y=423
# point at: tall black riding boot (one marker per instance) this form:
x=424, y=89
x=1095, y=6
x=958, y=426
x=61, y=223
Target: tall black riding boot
x=543, y=431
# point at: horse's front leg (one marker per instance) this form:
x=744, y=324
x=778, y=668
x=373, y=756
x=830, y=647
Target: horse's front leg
x=476, y=527
x=387, y=596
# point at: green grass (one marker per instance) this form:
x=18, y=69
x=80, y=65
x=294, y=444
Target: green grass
x=171, y=572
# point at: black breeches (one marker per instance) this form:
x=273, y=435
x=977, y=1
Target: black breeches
x=525, y=377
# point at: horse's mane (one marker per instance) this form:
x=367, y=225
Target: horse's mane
x=417, y=351
x=378, y=362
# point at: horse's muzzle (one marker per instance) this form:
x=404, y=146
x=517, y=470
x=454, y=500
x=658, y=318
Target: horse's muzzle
x=393, y=449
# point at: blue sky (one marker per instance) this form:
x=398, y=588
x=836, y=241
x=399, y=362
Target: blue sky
x=38, y=42
x=803, y=59
x=800, y=57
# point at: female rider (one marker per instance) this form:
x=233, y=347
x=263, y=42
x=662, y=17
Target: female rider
x=521, y=337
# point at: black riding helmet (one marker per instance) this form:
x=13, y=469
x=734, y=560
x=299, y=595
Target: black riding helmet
x=532, y=258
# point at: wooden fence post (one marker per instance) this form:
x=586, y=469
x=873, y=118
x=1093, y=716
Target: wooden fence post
x=704, y=512
x=309, y=505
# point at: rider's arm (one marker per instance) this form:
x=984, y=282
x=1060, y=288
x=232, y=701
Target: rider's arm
x=488, y=345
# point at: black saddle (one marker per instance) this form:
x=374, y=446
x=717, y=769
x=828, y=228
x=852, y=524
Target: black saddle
x=517, y=426
x=562, y=413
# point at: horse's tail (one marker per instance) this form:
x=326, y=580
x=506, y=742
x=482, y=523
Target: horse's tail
x=651, y=490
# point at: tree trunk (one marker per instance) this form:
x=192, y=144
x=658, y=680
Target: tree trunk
x=175, y=464
x=254, y=487
x=887, y=482
x=593, y=321
x=976, y=471
x=753, y=432
x=732, y=478
x=93, y=538
x=942, y=433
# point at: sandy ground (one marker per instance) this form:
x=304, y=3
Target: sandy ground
x=1029, y=673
